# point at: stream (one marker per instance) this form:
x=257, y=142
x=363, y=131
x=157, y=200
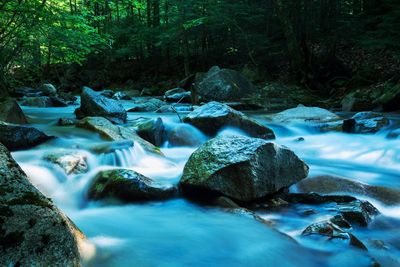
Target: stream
x=181, y=233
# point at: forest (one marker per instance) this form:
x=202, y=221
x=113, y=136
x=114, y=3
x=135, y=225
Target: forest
x=327, y=46
x=200, y=133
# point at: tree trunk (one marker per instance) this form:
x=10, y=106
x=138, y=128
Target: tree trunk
x=296, y=56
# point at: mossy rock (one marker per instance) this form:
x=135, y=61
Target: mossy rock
x=128, y=186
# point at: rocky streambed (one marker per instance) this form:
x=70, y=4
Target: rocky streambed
x=208, y=187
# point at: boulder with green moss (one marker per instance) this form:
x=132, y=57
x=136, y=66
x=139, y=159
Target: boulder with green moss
x=241, y=168
x=128, y=186
x=33, y=232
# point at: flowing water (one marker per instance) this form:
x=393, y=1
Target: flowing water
x=180, y=233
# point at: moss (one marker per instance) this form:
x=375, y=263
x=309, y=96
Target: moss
x=31, y=198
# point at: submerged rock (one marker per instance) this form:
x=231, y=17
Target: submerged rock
x=214, y=116
x=33, y=232
x=94, y=104
x=17, y=137
x=223, y=85
x=241, y=168
x=302, y=114
x=129, y=186
x=353, y=210
x=65, y=122
x=11, y=112
x=152, y=130
x=113, y=132
x=330, y=231
x=72, y=162
x=357, y=211
x=368, y=122
x=185, y=135
x=331, y=184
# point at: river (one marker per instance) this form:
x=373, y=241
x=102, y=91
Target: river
x=181, y=233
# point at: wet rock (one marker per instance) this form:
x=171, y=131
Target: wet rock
x=129, y=186
x=17, y=137
x=72, y=162
x=241, y=168
x=166, y=109
x=39, y=101
x=183, y=97
x=113, y=132
x=152, y=130
x=302, y=114
x=394, y=134
x=316, y=199
x=48, y=89
x=226, y=202
x=369, y=122
x=94, y=104
x=58, y=102
x=11, y=112
x=147, y=105
x=213, y=116
x=107, y=93
x=359, y=212
x=223, y=85
x=121, y=96
x=174, y=91
x=331, y=184
x=185, y=135
x=32, y=230
x=352, y=209
x=65, y=122
x=110, y=147
x=330, y=231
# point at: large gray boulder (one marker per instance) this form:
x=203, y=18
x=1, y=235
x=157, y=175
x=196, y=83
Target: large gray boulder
x=129, y=186
x=223, y=85
x=241, y=168
x=11, y=112
x=17, y=137
x=214, y=116
x=94, y=104
x=33, y=232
